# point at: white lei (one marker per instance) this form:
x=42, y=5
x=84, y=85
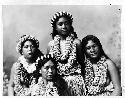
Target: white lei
x=95, y=80
x=40, y=89
x=69, y=54
x=30, y=68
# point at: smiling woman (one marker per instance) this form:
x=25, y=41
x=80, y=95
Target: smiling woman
x=24, y=71
x=101, y=74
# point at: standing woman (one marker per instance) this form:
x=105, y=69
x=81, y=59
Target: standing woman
x=24, y=71
x=101, y=74
x=66, y=49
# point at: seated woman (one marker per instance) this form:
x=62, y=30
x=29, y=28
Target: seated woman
x=49, y=83
x=100, y=70
x=25, y=69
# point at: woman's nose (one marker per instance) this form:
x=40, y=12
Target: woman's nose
x=29, y=48
x=92, y=50
x=63, y=26
x=50, y=70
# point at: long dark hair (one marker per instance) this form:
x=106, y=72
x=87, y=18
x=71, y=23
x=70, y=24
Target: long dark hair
x=95, y=40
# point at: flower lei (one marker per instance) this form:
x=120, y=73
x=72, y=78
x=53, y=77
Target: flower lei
x=69, y=54
x=41, y=89
x=29, y=68
x=67, y=50
x=24, y=76
x=95, y=79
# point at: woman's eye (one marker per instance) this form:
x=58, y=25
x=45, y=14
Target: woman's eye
x=32, y=46
x=66, y=23
x=60, y=24
x=94, y=46
x=87, y=48
x=26, y=46
x=46, y=68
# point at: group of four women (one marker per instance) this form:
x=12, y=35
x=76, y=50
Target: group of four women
x=70, y=67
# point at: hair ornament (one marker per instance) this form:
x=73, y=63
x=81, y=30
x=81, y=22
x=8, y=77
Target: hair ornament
x=61, y=14
x=22, y=39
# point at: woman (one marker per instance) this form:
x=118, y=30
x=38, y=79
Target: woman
x=23, y=72
x=66, y=49
x=49, y=83
x=100, y=70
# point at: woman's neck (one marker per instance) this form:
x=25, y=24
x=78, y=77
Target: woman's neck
x=30, y=61
x=94, y=61
x=62, y=37
x=46, y=81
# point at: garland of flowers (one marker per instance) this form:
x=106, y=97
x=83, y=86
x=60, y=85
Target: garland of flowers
x=57, y=52
x=95, y=80
x=41, y=89
x=30, y=68
x=24, y=75
x=69, y=54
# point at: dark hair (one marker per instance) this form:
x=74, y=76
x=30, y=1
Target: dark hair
x=44, y=59
x=95, y=40
x=54, y=32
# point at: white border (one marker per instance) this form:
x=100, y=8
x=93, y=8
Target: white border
x=69, y=2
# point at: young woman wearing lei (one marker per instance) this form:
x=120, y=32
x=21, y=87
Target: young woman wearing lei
x=24, y=72
x=66, y=49
x=101, y=75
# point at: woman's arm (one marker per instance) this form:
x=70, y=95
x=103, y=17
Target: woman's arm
x=11, y=84
x=114, y=77
x=80, y=55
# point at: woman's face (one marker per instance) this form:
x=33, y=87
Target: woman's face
x=28, y=49
x=48, y=70
x=63, y=26
x=92, y=50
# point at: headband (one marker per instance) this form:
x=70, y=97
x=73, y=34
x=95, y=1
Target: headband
x=60, y=14
x=23, y=39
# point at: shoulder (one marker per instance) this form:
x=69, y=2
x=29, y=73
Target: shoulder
x=16, y=66
x=51, y=43
x=77, y=41
x=111, y=64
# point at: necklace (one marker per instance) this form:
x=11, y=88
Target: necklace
x=95, y=76
x=29, y=67
x=59, y=56
x=68, y=54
